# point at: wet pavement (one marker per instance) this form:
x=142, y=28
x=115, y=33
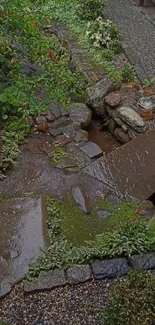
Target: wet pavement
x=23, y=236
x=130, y=168
x=137, y=33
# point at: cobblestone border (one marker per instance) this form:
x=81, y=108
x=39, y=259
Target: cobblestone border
x=78, y=274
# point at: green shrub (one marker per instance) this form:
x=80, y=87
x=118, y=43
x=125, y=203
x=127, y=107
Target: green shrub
x=132, y=301
x=104, y=34
x=90, y=9
x=128, y=73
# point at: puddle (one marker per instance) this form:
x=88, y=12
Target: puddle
x=102, y=138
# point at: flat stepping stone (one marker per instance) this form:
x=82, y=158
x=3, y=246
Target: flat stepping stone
x=81, y=199
x=92, y=150
x=46, y=281
x=129, y=170
x=22, y=224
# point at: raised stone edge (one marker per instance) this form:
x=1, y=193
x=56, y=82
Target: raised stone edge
x=127, y=260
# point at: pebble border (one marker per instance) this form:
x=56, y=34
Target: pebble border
x=78, y=274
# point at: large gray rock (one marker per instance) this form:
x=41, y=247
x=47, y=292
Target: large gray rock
x=92, y=150
x=110, y=268
x=78, y=274
x=132, y=118
x=121, y=135
x=81, y=115
x=22, y=224
x=81, y=199
x=97, y=93
x=46, y=281
x=143, y=262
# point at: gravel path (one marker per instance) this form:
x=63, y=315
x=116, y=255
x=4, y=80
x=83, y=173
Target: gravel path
x=137, y=32
x=71, y=305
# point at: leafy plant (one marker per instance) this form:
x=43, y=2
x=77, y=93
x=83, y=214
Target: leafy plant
x=149, y=82
x=14, y=133
x=90, y=9
x=104, y=34
x=128, y=238
x=132, y=301
x=58, y=156
x=128, y=73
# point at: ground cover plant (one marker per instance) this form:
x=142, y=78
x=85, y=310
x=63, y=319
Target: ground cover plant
x=78, y=238
x=132, y=301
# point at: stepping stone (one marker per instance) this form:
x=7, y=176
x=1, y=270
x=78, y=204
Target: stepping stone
x=81, y=199
x=128, y=170
x=92, y=150
x=23, y=236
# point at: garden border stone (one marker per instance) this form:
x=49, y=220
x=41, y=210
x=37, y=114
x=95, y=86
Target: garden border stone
x=80, y=273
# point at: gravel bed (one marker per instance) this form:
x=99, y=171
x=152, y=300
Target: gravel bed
x=71, y=305
x=137, y=32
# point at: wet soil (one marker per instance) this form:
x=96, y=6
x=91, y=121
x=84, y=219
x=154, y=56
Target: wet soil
x=102, y=137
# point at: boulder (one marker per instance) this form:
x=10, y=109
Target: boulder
x=111, y=126
x=121, y=136
x=132, y=118
x=78, y=274
x=143, y=262
x=46, y=281
x=110, y=268
x=81, y=115
x=97, y=93
x=148, y=103
x=113, y=99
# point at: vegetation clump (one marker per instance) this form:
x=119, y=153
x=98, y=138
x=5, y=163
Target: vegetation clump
x=132, y=301
x=90, y=9
x=117, y=236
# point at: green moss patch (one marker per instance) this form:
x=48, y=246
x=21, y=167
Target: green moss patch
x=76, y=237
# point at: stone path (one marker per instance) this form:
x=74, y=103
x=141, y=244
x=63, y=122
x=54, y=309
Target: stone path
x=138, y=35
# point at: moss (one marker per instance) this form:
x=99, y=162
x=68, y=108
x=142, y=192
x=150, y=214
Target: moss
x=79, y=227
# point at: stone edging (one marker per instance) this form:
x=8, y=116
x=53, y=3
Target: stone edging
x=78, y=274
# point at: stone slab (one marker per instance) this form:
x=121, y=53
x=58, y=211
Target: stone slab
x=129, y=170
x=46, y=281
x=92, y=150
x=78, y=274
x=110, y=268
x=143, y=262
x=23, y=236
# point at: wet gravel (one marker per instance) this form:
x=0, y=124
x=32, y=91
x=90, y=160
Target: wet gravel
x=71, y=305
x=137, y=32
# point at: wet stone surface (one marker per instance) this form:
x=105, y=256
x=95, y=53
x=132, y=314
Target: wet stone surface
x=130, y=168
x=22, y=224
x=92, y=150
